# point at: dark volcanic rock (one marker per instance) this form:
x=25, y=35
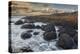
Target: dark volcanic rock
x=19, y=22
x=68, y=30
x=26, y=35
x=68, y=25
x=30, y=31
x=48, y=28
x=26, y=49
x=37, y=27
x=76, y=39
x=28, y=26
x=75, y=26
x=36, y=33
x=28, y=19
x=65, y=41
x=49, y=36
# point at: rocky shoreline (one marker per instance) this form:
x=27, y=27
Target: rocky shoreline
x=31, y=34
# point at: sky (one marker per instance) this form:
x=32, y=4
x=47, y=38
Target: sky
x=64, y=7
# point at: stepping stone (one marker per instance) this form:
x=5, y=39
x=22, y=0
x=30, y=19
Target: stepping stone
x=26, y=35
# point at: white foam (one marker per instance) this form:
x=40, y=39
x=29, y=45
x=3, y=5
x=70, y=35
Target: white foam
x=18, y=43
x=39, y=23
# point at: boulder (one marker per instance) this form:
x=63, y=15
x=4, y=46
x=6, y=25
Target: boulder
x=48, y=36
x=69, y=31
x=36, y=33
x=65, y=41
x=30, y=31
x=28, y=26
x=48, y=27
x=37, y=27
x=26, y=35
x=19, y=22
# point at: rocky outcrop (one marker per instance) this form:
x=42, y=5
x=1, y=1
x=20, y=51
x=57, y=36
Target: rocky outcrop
x=48, y=28
x=66, y=42
x=48, y=36
x=76, y=38
x=67, y=28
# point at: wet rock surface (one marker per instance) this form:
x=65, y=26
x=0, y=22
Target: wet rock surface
x=48, y=27
x=30, y=31
x=38, y=27
x=36, y=33
x=65, y=41
x=19, y=22
x=76, y=38
x=41, y=36
x=28, y=26
x=25, y=35
x=49, y=36
x=69, y=30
